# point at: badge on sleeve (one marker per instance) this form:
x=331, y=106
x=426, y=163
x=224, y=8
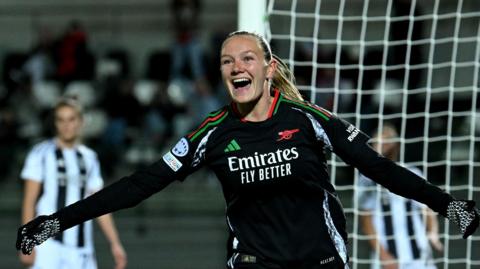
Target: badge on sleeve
x=171, y=161
x=181, y=148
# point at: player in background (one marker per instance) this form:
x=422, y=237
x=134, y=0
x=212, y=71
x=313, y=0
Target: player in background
x=58, y=172
x=267, y=148
x=399, y=229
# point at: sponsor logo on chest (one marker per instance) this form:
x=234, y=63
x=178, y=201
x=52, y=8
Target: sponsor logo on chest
x=263, y=166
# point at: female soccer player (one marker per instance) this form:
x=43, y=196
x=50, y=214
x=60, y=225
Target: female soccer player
x=267, y=150
x=59, y=172
x=400, y=230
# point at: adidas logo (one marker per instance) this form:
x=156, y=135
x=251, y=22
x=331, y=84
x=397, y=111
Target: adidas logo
x=232, y=146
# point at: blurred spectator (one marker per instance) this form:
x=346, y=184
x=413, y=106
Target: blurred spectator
x=13, y=75
x=160, y=118
x=8, y=140
x=187, y=51
x=188, y=57
x=325, y=77
x=401, y=31
x=40, y=64
x=74, y=61
x=213, y=73
x=124, y=112
x=28, y=114
x=409, y=55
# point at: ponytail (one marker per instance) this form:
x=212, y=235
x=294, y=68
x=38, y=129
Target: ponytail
x=284, y=80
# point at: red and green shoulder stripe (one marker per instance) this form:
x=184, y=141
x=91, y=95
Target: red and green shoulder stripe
x=271, y=111
x=323, y=113
x=213, y=119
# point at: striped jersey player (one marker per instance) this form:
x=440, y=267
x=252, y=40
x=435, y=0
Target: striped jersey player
x=399, y=230
x=400, y=226
x=66, y=175
x=58, y=172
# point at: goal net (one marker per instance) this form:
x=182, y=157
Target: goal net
x=411, y=63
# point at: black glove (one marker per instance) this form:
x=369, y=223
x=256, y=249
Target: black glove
x=465, y=215
x=36, y=232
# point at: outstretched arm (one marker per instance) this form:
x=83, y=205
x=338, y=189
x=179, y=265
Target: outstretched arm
x=351, y=145
x=108, y=228
x=402, y=181
x=187, y=156
x=127, y=192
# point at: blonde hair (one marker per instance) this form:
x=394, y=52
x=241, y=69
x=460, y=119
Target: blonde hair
x=71, y=102
x=283, y=79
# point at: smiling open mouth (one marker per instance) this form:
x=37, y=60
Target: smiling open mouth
x=241, y=82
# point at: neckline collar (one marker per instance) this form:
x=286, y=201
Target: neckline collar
x=271, y=111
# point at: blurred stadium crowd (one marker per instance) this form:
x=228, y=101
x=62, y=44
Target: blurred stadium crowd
x=128, y=118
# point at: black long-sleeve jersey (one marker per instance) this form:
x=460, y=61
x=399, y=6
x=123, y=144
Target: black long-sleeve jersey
x=280, y=203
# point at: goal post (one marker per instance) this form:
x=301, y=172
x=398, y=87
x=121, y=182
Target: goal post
x=415, y=64
x=252, y=15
